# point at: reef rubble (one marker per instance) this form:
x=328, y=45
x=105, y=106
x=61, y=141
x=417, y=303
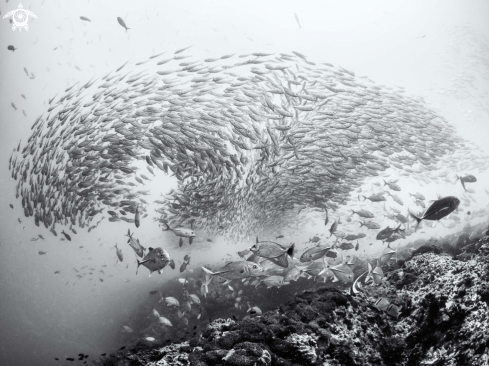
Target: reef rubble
x=443, y=320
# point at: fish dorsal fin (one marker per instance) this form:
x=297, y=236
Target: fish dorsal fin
x=369, y=268
x=150, y=249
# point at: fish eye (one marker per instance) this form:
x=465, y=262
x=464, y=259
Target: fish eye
x=255, y=266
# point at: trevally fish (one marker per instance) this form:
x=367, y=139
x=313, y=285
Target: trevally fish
x=439, y=209
x=236, y=270
x=314, y=253
x=469, y=178
x=119, y=253
x=138, y=248
x=273, y=251
x=155, y=260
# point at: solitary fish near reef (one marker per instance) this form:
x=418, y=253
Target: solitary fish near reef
x=439, y=209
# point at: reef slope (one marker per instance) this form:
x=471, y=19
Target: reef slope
x=443, y=320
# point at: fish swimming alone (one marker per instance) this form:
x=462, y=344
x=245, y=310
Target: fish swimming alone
x=119, y=253
x=439, y=209
x=122, y=23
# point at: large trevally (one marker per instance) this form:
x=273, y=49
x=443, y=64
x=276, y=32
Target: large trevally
x=155, y=260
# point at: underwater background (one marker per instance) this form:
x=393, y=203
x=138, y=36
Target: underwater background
x=437, y=51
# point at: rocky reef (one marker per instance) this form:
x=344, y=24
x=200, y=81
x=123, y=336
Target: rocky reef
x=441, y=289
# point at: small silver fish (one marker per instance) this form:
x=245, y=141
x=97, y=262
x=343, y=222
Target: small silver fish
x=122, y=23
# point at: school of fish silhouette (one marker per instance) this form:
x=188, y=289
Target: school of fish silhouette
x=248, y=137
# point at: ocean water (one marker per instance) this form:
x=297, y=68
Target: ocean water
x=405, y=78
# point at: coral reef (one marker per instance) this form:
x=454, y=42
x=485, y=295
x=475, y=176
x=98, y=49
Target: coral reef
x=443, y=298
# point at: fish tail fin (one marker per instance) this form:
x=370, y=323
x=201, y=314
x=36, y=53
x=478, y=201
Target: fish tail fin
x=385, y=183
x=290, y=251
x=369, y=273
x=352, y=212
x=139, y=263
x=364, y=198
x=418, y=220
x=361, y=224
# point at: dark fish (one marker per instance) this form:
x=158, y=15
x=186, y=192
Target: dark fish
x=172, y=264
x=346, y=246
x=57, y=272
x=136, y=218
x=66, y=235
x=184, y=265
x=41, y=252
x=155, y=260
x=439, y=209
x=85, y=19
x=386, y=233
x=11, y=206
x=279, y=237
x=70, y=359
x=153, y=292
x=11, y=48
x=120, y=349
x=122, y=23
x=333, y=227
